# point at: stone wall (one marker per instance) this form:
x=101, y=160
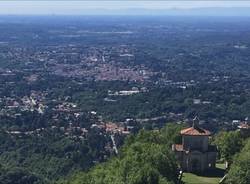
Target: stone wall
x=195, y=143
x=196, y=161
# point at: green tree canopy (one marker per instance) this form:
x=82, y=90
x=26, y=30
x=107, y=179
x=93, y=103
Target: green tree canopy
x=144, y=159
x=240, y=169
x=229, y=143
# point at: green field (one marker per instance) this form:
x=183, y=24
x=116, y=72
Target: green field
x=208, y=178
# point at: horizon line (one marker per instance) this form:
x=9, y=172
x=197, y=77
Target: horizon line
x=174, y=11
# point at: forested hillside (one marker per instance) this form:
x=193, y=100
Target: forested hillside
x=147, y=159
x=47, y=157
x=144, y=159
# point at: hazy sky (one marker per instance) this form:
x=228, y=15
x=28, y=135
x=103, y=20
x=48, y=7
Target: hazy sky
x=81, y=7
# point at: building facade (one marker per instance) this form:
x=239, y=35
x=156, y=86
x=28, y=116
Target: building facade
x=195, y=154
x=245, y=128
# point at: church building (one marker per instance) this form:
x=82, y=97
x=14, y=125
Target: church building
x=195, y=154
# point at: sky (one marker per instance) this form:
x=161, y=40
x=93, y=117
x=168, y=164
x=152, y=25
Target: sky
x=81, y=7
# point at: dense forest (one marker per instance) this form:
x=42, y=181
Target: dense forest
x=46, y=157
x=144, y=158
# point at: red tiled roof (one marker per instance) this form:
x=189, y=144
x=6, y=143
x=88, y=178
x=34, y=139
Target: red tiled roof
x=195, y=131
x=244, y=126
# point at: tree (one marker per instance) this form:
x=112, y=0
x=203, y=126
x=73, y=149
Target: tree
x=240, y=169
x=229, y=143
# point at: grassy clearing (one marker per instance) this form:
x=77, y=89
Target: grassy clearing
x=209, y=177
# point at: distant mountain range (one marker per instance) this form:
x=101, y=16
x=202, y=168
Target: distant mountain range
x=241, y=11
x=212, y=11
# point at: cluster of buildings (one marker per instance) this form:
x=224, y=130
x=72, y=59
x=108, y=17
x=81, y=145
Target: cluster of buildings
x=74, y=60
x=132, y=91
x=92, y=63
x=13, y=106
x=244, y=128
x=99, y=71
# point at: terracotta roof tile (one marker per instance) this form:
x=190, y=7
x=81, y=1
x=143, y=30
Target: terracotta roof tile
x=195, y=131
x=244, y=126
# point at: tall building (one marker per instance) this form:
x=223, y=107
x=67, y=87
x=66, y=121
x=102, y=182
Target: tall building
x=195, y=154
